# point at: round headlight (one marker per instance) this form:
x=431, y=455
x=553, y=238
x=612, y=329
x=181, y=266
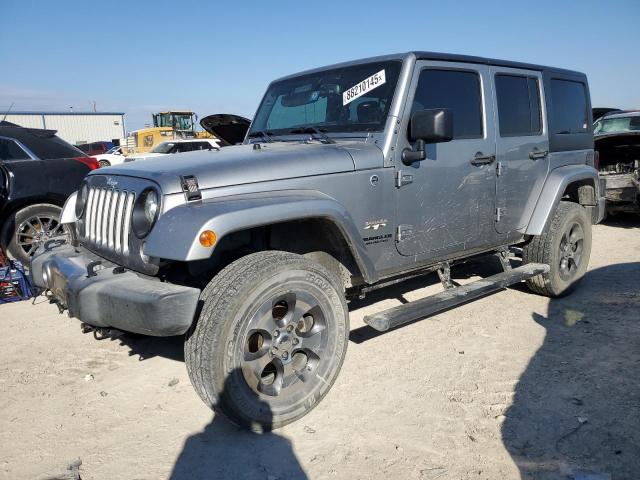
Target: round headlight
x=145, y=213
x=81, y=200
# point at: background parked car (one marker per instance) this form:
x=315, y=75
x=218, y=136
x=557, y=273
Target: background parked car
x=177, y=146
x=617, y=140
x=96, y=148
x=38, y=171
x=115, y=156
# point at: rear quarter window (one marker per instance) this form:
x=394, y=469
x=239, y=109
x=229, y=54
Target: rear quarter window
x=10, y=150
x=569, y=104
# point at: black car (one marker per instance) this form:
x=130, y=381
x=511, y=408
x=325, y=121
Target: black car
x=38, y=171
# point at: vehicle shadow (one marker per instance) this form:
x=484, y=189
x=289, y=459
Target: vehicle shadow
x=576, y=409
x=224, y=451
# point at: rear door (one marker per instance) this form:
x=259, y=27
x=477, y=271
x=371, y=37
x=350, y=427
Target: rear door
x=522, y=145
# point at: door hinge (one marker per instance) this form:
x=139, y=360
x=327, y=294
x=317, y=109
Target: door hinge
x=499, y=213
x=403, y=232
x=499, y=168
x=403, y=178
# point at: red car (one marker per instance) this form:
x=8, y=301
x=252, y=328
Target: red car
x=96, y=148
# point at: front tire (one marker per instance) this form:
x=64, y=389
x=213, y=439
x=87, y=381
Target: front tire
x=31, y=227
x=565, y=247
x=270, y=340
x=104, y=163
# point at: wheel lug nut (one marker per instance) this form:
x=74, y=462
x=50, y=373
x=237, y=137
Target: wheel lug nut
x=296, y=341
x=276, y=333
x=274, y=350
x=289, y=328
x=285, y=355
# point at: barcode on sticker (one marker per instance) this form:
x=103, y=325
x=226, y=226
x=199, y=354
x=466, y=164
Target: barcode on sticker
x=363, y=87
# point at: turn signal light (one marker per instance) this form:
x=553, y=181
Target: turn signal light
x=208, y=238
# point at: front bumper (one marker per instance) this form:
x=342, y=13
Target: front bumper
x=111, y=296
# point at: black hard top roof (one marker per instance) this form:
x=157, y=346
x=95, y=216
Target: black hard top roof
x=447, y=57
x=452, y=57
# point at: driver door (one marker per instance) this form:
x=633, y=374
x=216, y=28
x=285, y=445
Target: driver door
x=446, y=203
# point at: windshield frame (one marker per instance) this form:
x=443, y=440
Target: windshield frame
x=393, y=67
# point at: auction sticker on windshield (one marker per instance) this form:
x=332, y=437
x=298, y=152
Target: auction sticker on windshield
x=363, y=87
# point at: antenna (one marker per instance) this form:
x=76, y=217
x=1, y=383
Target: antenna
x=7, y=112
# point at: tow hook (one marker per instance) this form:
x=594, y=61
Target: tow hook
x=100, y=333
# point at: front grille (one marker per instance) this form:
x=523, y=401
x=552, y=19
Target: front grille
x=107, y=221
x=105, y=227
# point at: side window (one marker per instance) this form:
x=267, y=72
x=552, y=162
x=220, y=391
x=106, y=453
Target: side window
x=456, y=90
x=518, y=105
x=10, y=150
x=569, y=102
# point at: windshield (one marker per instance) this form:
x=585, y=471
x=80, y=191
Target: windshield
x=164, y=147
x=348, y=99
x=617, y=124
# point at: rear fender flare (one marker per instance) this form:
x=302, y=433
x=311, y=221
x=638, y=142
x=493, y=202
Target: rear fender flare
x=553, y=191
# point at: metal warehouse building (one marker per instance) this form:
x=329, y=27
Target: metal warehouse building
x=74, y=127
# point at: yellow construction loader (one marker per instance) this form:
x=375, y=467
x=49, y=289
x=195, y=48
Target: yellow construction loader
x=167, y=126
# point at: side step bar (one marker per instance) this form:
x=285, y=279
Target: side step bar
x=426, y=307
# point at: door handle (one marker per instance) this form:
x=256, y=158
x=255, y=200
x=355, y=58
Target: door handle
x=482, y=159
x=538, y=154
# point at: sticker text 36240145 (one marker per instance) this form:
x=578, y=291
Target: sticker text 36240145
x=363, y=87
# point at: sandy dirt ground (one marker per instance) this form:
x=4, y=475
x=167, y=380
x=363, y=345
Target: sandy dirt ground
x=511, y=386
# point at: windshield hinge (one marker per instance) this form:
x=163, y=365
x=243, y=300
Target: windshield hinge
x=499, y=213
x=403, y=178
x=499, y=169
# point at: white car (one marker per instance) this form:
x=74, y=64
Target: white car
x=177, y=146
x=114, y=156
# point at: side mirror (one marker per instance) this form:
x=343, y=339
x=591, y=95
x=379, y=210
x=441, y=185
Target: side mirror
x=428, y=126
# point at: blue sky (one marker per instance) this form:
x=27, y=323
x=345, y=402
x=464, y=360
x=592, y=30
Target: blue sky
x=145, y=56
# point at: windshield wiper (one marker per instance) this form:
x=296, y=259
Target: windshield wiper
x=314, y=130
x=262, y=134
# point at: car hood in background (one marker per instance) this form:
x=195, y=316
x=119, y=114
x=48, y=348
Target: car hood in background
x=242, y=164
x=230, y=129
x=144, y=156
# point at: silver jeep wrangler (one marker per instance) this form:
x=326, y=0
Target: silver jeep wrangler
x=350, y=178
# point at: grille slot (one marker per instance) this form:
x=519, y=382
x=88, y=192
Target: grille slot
x=108, y=218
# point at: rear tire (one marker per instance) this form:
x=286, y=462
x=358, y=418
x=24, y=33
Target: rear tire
x=270, y=339
x=104, y=163
x=565, y=247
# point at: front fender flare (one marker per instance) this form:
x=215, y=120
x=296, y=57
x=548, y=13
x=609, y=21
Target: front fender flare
x=553, y=190
x=175, y=236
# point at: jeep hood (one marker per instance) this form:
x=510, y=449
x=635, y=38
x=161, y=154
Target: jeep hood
x=242, y=164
